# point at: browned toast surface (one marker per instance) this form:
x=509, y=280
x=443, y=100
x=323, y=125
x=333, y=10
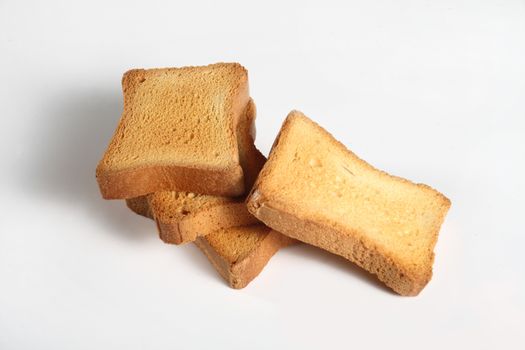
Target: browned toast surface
x=314, y=189
x=177, y=132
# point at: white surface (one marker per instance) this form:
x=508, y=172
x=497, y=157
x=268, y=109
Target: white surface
x=430, y=90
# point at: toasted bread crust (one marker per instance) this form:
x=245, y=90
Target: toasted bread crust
x=128, y=181
x=138, y=182
x=405, y=279
x=139, y=205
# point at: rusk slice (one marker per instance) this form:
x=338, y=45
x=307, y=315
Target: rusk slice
x=315, y=190
x=238, y=253
x=177, y=133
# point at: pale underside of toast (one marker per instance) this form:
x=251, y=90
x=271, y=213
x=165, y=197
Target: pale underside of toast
x=315, y=190
x=178, y=124
x=182, y=216
x=238, y=253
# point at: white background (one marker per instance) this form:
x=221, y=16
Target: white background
x=429, y=90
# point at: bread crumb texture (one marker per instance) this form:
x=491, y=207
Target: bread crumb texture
x=170, y=206
x=181, y=116
x=370, y=217
x=235, y=243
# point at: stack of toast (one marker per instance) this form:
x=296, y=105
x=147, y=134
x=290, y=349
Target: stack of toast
x=183, y=155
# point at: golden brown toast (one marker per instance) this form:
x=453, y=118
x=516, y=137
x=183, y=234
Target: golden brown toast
x=177, y=133
x=238, y=253
x=315, y=190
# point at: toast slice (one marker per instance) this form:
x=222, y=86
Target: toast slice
x=177, y=132
x=182, y=216
x=238, y=253
x=315, y=190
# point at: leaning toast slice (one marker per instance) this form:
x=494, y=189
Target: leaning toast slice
x=238, y=253
x=315, y=190
x=177, y=132
x=182, y=216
